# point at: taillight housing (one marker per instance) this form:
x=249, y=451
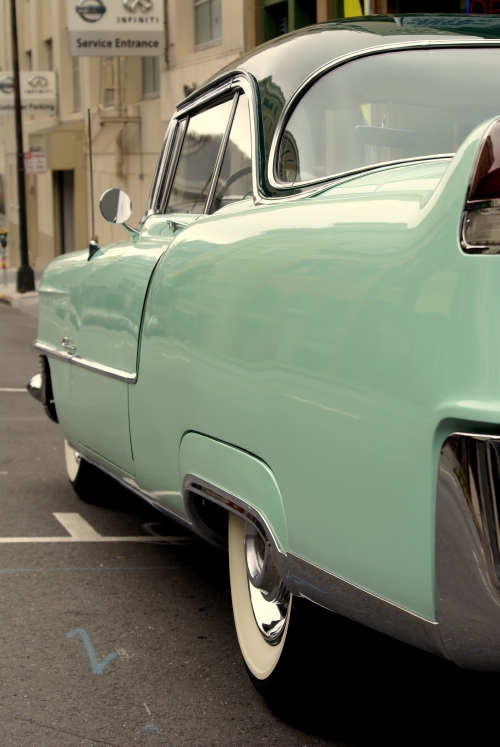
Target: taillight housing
x=481, y=222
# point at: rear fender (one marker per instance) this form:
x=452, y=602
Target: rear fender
x=235, y=473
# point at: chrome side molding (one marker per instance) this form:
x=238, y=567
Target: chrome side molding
x=307, y=580
x=70, y=357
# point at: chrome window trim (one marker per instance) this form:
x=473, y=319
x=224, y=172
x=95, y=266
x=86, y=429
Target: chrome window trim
x=272, y=175
x=307, y=580
x=157, y=186
x=220, y=156
x=76, y=360
x=180, y=131
x=237, y=80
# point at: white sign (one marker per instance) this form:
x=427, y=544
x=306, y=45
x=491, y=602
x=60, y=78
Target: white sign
x=35, y=162
x=38, y=92
x=115, y=27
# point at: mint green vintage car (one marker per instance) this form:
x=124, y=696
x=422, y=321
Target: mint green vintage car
x=297, y=353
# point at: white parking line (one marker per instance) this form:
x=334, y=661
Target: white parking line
x=10, y=389
x=81, y=531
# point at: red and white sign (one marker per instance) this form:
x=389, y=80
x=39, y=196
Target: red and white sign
x=35, y=162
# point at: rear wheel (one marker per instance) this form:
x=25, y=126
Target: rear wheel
x=261, y=603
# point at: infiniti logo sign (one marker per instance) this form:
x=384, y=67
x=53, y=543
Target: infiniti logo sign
x=38, y=81
x=132, y=5
x=7, y=84
x=91, y=10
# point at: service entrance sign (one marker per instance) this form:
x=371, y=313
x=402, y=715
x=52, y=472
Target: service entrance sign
x=115, y=27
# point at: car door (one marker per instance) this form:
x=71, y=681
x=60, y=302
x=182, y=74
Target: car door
x=221, y=183
x=106, y=365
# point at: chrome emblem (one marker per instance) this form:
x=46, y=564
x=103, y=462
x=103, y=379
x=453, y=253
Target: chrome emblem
x=7, y=84
x=67, y=343
x=91, y=10
x=38, y=81
x=132, y=5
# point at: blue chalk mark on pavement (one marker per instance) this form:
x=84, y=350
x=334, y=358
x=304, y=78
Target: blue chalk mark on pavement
x=97, y=666
x=150, y=727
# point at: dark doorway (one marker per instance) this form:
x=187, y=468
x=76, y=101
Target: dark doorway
x=66, y=190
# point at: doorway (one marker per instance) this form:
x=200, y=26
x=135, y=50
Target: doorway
x=66, y=209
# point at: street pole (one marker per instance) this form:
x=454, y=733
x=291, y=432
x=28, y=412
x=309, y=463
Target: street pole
x=25, y=275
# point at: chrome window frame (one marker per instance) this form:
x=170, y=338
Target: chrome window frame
x=232, y=86
x=161, y=170
x=272, y=166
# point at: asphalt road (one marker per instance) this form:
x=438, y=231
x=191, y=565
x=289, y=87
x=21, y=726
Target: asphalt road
x=132, y=643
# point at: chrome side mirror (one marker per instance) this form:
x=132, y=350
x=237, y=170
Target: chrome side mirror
x=116, y=207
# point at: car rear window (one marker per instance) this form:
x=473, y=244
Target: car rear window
x=388, y=107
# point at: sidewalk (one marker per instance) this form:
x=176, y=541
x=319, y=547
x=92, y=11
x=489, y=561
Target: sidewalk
x=27, y=302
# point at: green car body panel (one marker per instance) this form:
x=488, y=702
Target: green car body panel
x=309, y=355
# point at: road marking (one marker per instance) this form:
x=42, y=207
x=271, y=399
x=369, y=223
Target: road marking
x=97, y=666
x=11, y=571
x=10, y=389
x=81, y=531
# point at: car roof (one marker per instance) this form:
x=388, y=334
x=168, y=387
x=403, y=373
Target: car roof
x=282, y=64
x=291, y=58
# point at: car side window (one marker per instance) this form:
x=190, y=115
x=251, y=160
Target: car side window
x=235, y=178
x=197, y=159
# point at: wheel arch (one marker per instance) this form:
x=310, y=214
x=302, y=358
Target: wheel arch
x=231, y=480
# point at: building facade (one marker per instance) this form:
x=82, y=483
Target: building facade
x=131, y=100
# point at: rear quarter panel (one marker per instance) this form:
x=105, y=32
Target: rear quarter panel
x=333, y=338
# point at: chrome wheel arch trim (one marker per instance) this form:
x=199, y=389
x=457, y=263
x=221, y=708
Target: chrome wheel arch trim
x=113, y=373
x=319, y=586
x=294, y=99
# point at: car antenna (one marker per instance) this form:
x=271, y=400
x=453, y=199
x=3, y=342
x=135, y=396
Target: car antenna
x=93, y=245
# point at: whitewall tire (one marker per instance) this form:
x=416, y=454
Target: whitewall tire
x=261, y=656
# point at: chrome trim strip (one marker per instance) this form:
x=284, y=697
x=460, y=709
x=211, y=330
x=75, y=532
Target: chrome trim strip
x=51, y=352
x=467, y=585
x=311, y=79
x=113, y=373
x=344, y=598
x=307, y=580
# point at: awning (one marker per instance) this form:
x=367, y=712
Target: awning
x=107, y=134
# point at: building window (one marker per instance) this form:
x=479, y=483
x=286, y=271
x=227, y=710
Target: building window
x=77, y=96
x=207, y=20
x=49, y=55
x=150, y=77
x=108, y=77
x=280, y=17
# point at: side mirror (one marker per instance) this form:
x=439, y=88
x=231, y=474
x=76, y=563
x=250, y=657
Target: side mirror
x=116, y=206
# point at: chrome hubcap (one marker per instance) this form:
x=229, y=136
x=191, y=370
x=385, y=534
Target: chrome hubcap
x=269, y=596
